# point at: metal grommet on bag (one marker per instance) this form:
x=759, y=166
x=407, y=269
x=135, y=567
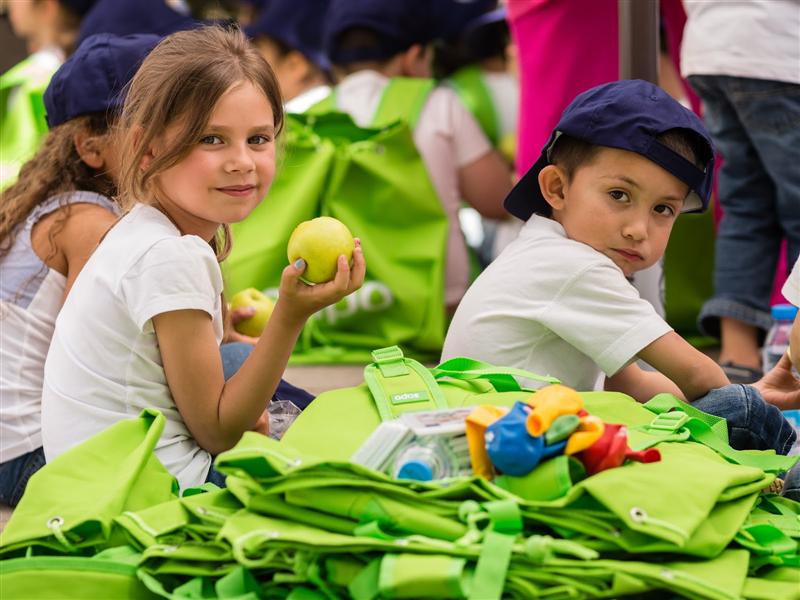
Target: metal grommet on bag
x=638, y=515
x=55, y=523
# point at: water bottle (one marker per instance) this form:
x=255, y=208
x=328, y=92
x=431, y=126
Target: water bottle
x=425, y=459
x=777, y=341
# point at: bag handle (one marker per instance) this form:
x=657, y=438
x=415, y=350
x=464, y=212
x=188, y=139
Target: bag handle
x=711, y=431
x=501, y=378
x=397, y=382
x=402, y=99
x=473, y=92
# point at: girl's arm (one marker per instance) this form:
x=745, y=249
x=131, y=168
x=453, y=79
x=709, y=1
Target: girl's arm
x=65, y=243
x=218, y=412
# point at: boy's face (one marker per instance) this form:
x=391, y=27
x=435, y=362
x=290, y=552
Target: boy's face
x=621, y=204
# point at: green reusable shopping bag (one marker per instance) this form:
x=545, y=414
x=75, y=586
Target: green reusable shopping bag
x=397, y=384
x=69, y=505
x=373, y=180
x=110, y=575
x=22, y=114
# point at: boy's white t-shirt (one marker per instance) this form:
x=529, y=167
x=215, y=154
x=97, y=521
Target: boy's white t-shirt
x=447, y=137
x=104, y=363
x=791, y=288
x=553, y=306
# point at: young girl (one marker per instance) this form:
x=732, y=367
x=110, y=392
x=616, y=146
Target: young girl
x=142, y=325
x=50, y=221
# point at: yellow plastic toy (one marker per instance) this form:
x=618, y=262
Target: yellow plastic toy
x=589, y=430
x=477, y=422
x=548, y=404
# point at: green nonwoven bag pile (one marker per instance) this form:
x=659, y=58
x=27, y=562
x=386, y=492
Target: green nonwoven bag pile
x=295, y=524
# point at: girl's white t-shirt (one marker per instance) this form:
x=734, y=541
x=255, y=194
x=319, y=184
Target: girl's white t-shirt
x=104, y=364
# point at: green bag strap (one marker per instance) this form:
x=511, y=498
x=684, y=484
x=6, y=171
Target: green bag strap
x=705, y=429
x=502, y=378
x=470, y=86
x=402, y=100
x=396, y=381
x=326, y=105
x=663, y=403
x=498, y=541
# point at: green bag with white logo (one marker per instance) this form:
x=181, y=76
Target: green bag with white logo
x=375, y=182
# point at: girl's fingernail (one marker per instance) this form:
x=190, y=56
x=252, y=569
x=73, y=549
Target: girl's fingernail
x=299, y=263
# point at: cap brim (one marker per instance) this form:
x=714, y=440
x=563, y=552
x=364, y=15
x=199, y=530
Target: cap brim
x=526, y=197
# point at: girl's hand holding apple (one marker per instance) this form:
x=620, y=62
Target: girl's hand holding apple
x=297, y=300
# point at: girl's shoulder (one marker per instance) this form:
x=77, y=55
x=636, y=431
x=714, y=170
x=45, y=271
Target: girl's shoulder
x=60, y=201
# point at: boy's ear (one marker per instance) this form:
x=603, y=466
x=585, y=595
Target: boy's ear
x=416, y=61
x=552, y=184
x=90, y=148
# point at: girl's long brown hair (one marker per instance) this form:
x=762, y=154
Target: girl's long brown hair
x=54, y=169
x=179, y=83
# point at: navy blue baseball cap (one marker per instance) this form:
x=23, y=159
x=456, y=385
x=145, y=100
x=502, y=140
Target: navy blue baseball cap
x=295, y=24
x=399, y=24
x=93, y=78
x=124, y=17
x=628, y=115
x=459, y=16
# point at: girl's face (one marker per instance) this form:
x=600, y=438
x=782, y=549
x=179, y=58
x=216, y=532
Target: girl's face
x=230, y=168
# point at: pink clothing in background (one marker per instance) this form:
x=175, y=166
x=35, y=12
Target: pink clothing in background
x=563, y=49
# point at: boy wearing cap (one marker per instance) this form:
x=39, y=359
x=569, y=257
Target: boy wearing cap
x=288, y=35
x=369, y=42
x=623, y=162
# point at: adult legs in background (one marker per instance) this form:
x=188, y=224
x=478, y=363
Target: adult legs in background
x=756, y=126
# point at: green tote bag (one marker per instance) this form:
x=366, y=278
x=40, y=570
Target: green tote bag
x=373, y=180
x=70, y=504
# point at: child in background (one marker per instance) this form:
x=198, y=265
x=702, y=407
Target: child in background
x=289, y=36
x=473, y=60
x=369, y=42
x=50, y=30
x=51, y=220
x=142, y=324
x=623, y=162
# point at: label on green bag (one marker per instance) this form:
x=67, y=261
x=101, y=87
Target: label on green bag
x=407, y=397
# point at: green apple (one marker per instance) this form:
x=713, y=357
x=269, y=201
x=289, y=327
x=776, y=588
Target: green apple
x=263, y=305
x=320, y=242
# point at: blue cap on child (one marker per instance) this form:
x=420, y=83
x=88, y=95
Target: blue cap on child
x=295, y=24
x=460, y=16
x=92, y=79
x=399, y=25
x=124, y=17
x=628, y=115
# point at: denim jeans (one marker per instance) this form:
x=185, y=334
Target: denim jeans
x=755, y=124
x=15, y=473
x=753, y=425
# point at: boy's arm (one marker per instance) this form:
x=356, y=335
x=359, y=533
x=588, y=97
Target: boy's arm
x=681, y=364
x=640, y=384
